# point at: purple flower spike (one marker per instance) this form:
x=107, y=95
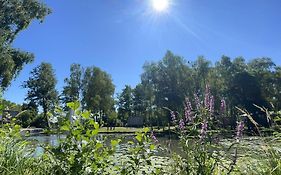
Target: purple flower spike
x=197, y=101
x=239, y=130
x=212, y=105
x=207, y=97
x=204, y=128
x=173, y=116
x=153, y=137
x=181, y=124
x=188, y=111
x=223, y=106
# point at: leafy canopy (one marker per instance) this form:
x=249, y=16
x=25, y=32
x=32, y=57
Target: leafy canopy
x=15, y=16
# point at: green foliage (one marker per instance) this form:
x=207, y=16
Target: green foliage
x=97, y=91
x=139, y=157
x=42, y=88
x=125, y=104
x=169, y=78
x=72, y=89
x=166, y=83
x=16, y=16
x=81, y=152
x=202, y=153
x=10, y=105
x=25, y=118
x=272, y=157
x=14, y=157
x=39, y=121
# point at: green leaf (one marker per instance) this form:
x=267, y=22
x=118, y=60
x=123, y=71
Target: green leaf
x=86, y=114
x=73, y=105
x=95, y=132
x=99, y=145
x=58, y=110
x=139, y=137
x=115, y=142
x=49, y=114
x=17, y=127
x=96, y=125
x=152, y=147
x=76, y=132
x=145, y=130
x=65, y=128
x=88, y=133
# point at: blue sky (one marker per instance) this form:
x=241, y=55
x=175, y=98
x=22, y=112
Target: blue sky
x=120, y=35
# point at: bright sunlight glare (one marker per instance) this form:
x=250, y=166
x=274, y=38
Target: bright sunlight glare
x=160, y=5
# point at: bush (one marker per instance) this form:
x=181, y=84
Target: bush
x=39, y=121
x=26, y=118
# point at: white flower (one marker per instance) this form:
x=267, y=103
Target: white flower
x=88, y=170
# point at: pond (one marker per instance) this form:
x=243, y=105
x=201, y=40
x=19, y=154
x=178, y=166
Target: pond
x=168, y=143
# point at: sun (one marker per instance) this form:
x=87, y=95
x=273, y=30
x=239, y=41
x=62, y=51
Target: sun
x=160, y=5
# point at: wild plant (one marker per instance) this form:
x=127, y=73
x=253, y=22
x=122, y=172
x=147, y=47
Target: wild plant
x=81, y=152
x=202, y=153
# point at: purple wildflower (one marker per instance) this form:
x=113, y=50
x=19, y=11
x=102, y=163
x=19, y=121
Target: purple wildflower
x=187, y=111
x=239, y=130
x=181, y=124
x=207, y=97
x=223, y=106
x=204, y=128
x=153, y=137
x=173, y=116
x=197, y=101
x=212, y=105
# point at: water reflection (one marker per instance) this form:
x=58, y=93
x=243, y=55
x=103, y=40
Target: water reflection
x=167, y=143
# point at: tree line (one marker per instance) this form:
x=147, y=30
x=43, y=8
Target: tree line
x=164, y=84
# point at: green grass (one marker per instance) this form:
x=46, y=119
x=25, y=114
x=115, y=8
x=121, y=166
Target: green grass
x=120, y=130
x=130, y=130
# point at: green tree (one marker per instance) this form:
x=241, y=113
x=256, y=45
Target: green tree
x=97, y=91
x=29, y=115
x=125, y=104
x=201, y=69
x=246, y=91
x=139, y=100
x=277, y=88
x=42, y=88
x=11, y=105
x=263, y=69
x=16, y=16
x=143, y=103
x=72, y=89
x=170, y=80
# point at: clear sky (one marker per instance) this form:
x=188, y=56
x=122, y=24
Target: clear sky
x=120, y=35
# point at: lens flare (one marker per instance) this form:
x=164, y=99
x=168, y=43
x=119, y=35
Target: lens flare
x=160, y=5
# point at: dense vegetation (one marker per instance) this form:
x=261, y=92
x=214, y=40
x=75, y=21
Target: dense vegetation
x=168, y=82
x=15, y=16
x=199, y=99
x=164, y=84
x=82, y=152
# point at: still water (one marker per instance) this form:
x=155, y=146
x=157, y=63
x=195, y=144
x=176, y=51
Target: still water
x=167, y=143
